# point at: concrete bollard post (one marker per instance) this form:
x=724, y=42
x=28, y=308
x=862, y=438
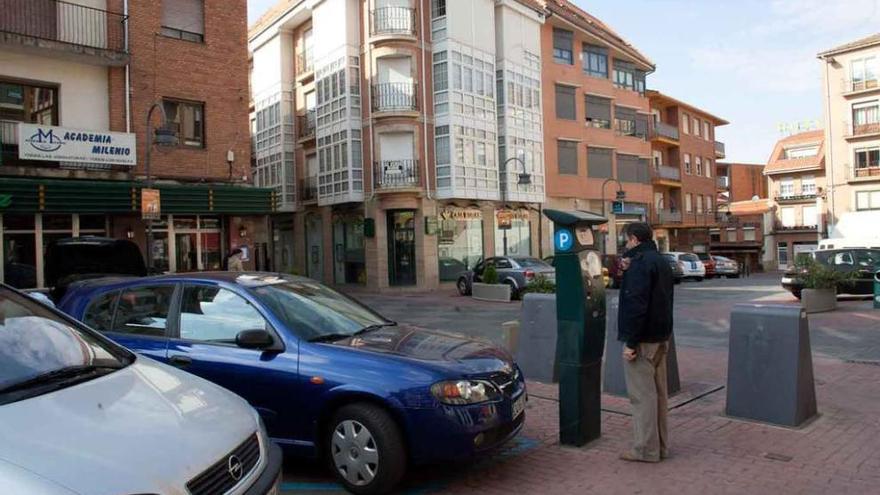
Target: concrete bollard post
x=770, y=365
x=614, y=381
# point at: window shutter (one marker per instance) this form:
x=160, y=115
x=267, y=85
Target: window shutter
x=599, y=163
x=565, y=107
x=598, y=108
x=184, y=15
x=567, y=151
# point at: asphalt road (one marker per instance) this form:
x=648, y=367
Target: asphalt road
x=702, y=315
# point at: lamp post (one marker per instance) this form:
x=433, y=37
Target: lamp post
x=621, y=194
x=524, y=179
x=163, y=137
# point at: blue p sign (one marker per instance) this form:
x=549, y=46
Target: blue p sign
x=563, y=240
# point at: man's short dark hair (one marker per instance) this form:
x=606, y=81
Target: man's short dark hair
x=640, y=231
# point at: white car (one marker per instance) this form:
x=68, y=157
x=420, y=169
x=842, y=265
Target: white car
x=691, y=266
x=80, y=415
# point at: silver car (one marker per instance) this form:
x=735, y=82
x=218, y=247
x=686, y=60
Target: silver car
x=515, y=271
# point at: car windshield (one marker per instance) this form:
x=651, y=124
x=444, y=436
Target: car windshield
x=703, y=256
x=313, y=311
x=669, y=257
x=531, y=263
x=689, y=257
x=41, y=352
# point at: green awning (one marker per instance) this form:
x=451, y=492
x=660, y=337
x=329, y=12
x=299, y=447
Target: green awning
x=37, y=195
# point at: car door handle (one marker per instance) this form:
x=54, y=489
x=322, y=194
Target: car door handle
x=180, y=361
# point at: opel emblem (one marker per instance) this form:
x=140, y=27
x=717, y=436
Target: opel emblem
x=235, y=467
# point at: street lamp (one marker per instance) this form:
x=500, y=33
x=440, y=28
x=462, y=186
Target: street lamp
x=163, y=137
x=524, y=179
x=621, y=194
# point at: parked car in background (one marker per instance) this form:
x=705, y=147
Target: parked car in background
x=515, y=271
x=326, y=373
x=676, y=266
x=612, y=263
x=709, y=263
x=691, y=266
x=80, y=258
x=450, y=268
x=606, y=277
x=726, y=267
x=80, y=414
x=865, y=262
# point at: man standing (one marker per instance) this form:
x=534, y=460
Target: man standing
x=644, y=326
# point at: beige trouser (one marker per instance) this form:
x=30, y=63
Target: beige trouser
x=646, y=385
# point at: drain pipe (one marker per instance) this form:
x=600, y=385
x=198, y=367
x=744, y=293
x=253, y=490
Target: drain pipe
x=424, y=100
x=127, y=70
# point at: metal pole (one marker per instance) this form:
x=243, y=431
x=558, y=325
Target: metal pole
x=602, y=196
x=149, y=178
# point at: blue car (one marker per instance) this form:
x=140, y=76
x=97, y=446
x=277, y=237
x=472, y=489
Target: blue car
x=329, y=376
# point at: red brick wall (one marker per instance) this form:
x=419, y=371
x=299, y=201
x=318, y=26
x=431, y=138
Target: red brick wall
x=214, y=72
x=747, y=181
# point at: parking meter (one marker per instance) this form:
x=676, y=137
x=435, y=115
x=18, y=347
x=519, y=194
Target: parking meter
x=580, y=315
x=877, y=290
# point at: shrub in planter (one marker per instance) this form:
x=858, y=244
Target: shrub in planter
x=489, y=289
x=540, y=285
x=820, y=284
x=490, y=275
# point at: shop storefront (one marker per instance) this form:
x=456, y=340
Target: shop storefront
x=349, y=261
x=198, y=227
x=459, y=241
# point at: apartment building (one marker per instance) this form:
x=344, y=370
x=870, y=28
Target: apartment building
x=797, y=186
x=596, y=121
x=404, y=137
x=739, y=182
x=683, y=154
x=744, y=233
x=851, y=83
x=79, y=81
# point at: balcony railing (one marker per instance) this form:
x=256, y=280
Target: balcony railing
x=305, y=125
x=664, y=130
x=869, y=173
x=310, y=188
x=850, y=85
x=63, y=22
x=668, y=216
x=391, y=174
x=857, y=130
x=393, y=20
x=780, y=227
x=719, y=149
x=391, y=97
x=305, y=63
x=802, y=196
x=667, y=173
x=724, y=182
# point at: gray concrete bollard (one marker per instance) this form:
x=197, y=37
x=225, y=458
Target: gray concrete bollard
x=536, y=345
x=614, y=381
x=770, y=365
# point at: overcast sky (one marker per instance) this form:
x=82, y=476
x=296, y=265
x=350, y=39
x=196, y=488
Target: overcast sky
x=751, y=62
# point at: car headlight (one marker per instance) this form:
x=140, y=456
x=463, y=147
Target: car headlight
x=459, y=392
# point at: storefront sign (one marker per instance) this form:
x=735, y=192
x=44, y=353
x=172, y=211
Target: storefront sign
x=504, y=219
x=461, y=214
x=151, y=204
x=5, y=200
x=52, y=143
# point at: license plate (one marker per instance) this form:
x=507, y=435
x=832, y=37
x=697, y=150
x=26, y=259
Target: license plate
x=786, y=280
x=519, y=405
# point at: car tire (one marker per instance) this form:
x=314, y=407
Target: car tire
x=462, y=286
x=514, y=293
x=358, y=434
x=699, y=279
x=797, y=294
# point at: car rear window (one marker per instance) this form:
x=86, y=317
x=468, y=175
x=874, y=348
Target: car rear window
x=689, y=257
x=531, y=263
x=703, y=256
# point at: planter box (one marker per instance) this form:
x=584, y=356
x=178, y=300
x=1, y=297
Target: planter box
x=491, y=292
x=819, y=300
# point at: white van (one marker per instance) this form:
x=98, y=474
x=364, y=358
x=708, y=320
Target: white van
x=82, y=415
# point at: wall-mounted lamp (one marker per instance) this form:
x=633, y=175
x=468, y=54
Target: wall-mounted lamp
x=242, y=231
x=129, y=233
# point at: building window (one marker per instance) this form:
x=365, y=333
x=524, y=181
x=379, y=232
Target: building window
x=866, y=118
x=699, y=163
x=438, y=8
x=459, y=241
x=624, y=121
x=749, y=234
x=800, y=152
x=867, y=158
x=868, y=200
x=695, y=125
x=188, y=121
x=568, y=159
x=598, y=112
x=782, y=254
x=595, y=61
x=810, y=215
x=562, y=46
x=731, y=235
x=700, y=204
x=685, y=123
x=565, y=107
x=714, y=235
x=864, y=73
x=788, y=219
x=808, y=185
x=626, y=76
x=184, y=19
x=786, y=188
x=23, y=103
x=689, y=203
x=599, y=163
x=441, y=75
x=706, y=130
x=687, y=164
x=709, y=208
x=631, y=168
x=708, y=167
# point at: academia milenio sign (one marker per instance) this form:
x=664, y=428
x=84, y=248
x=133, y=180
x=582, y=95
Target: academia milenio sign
x=52, y=143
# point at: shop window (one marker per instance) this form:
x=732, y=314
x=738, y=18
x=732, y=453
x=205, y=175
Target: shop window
x=516, y=239
x=459, y=242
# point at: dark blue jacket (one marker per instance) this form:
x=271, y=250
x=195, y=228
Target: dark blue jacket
x=646, y=297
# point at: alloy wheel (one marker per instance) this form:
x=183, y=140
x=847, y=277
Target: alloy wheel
x=354, y=451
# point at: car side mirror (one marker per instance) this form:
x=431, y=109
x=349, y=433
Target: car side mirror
x=254, y=339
